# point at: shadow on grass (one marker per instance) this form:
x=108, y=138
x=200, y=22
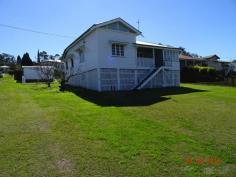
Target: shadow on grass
x=130, y=98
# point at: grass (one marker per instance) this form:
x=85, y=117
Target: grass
x=161, y=132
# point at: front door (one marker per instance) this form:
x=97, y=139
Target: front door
x=158, y=54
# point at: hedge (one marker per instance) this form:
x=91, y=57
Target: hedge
x=198, y=74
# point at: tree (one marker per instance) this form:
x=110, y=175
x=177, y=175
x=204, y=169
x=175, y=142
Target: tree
x=64, y=77
x=43, y=55
x=38, y=57
x=7, y=59
x=51, y=57
x=184, y=52
x=47, y=73
x=18, y=60
x=26, y=61
x=1, y=60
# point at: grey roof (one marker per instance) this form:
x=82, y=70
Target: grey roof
x=155, y=45
x=211, y=56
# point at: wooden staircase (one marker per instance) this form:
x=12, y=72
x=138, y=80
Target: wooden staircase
x=152, y=74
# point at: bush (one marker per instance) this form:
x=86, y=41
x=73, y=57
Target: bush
x=18, y=75
x=11, y=72
x=12, y=68
x=198, y=74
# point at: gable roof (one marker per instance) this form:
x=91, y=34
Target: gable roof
x=121, y=21
x=212, y=57
x=95, y=26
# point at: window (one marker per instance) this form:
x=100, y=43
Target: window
x=66, y=65
x=170, y=55
x=143, y=52
x=81, y=56
x=72, y=62
x=118, y=50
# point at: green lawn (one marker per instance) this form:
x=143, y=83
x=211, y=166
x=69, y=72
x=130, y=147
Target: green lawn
x=44, y=132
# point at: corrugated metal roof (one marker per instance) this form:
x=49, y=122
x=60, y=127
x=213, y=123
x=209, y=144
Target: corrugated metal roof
x=155, y=44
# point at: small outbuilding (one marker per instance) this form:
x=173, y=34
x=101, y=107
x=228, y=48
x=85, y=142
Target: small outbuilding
x=37, y=73
x=4, y=69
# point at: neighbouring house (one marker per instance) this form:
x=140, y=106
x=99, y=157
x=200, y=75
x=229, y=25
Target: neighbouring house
x=43, y=56
x=212, y=58
x=58, y=64
x=107, y=57
x=36, y=73
x=213, y=61
x=230, y=78
x=210, y=61
x=191, y=61
x=233, y=65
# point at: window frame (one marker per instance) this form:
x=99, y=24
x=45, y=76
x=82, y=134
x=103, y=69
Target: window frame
x=72, y=63
x=66, y=65
x=118, y=50
x=81, y=56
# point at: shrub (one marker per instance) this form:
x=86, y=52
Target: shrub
x=12, y=68
x=11, y=72
x=198, y=74
x=18, y=75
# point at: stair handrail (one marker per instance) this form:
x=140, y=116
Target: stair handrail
x=151, y=76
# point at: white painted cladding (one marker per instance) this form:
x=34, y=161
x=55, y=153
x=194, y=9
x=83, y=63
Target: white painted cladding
x=90, y=46
x=32, y=73
x=105, y=58
x=87, y=80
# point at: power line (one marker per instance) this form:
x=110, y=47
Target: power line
x=35, y=31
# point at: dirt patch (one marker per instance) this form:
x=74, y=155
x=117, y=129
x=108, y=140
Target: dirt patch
x=64, y=165
x=43, y=126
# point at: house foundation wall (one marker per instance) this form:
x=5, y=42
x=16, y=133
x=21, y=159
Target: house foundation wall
x=121, y=79
x=86, y=79
x=113, y=79
x=166, y=78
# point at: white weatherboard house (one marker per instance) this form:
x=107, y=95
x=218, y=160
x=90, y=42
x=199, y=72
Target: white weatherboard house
x=108, y=57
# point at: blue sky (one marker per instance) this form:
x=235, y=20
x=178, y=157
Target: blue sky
x=204, y=27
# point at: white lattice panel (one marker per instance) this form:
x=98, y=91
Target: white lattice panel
x=127, y=79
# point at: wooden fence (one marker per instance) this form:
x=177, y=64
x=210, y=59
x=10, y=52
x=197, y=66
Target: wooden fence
x=231, y=81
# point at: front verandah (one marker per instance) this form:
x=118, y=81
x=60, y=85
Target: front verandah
x=149, y=57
